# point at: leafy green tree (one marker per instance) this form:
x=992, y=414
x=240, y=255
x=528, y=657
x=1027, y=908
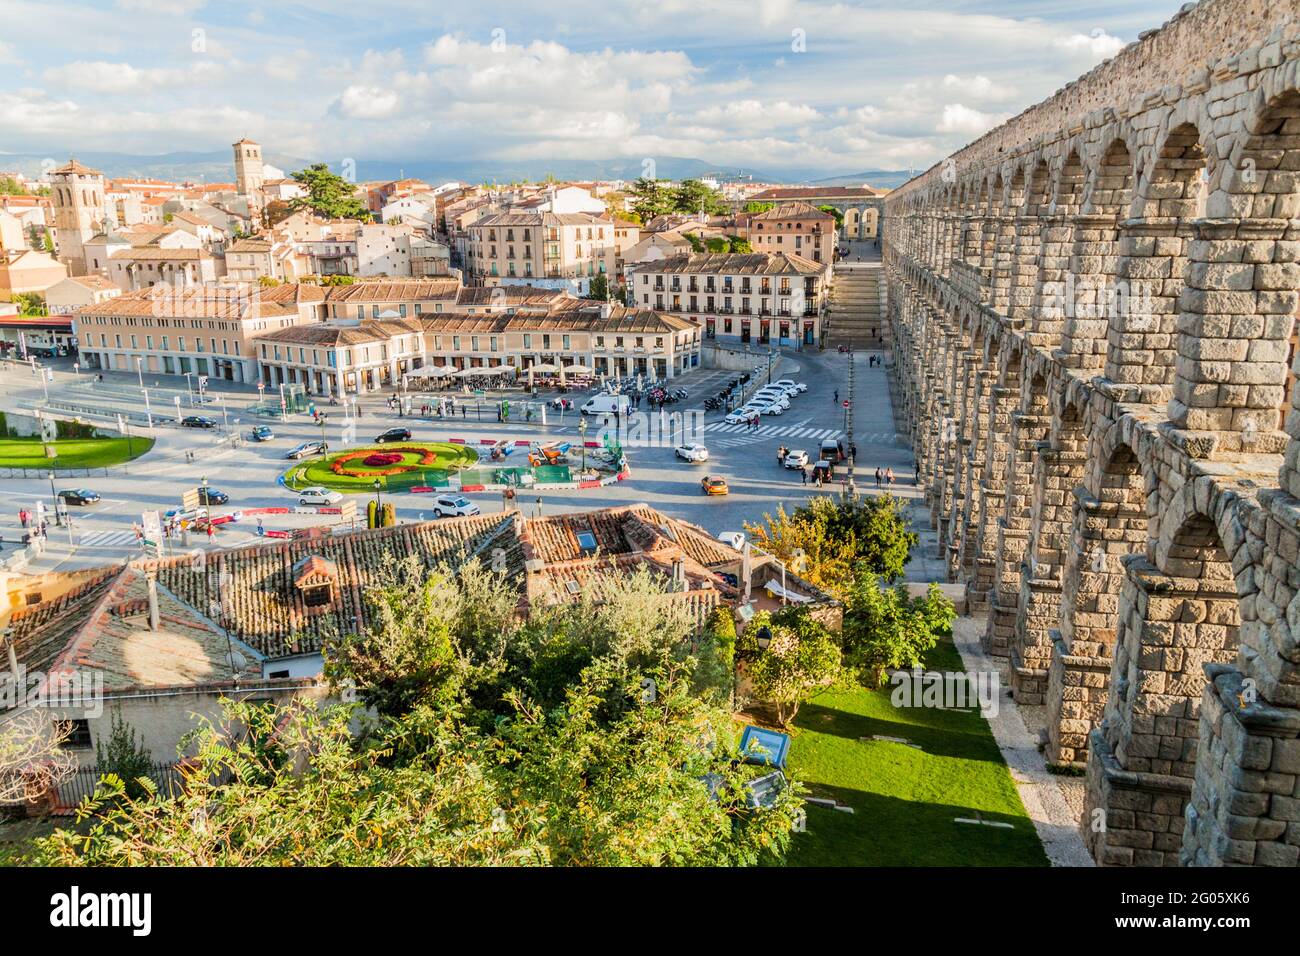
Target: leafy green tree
x=598, y=288
x=801, y=660
x=328, y=194
x=407, y=657
x=29, y=303
x=839, y=216
x=11, y=187
x=886, y=628
x=693, y=196
x=757, y=207
x=825, y=540
x=650, y=198
x=122, y=756
x=740, y=245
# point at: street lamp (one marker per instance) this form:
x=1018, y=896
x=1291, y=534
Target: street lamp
x=378, y=503
x=54, y=496
x=148, y=412
x=582, y=434
x=763, y=637
x=139, y=370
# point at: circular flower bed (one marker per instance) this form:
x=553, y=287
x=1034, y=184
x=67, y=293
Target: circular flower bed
x=376, y=462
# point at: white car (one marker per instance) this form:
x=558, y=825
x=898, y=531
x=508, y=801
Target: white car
x=692, y=452
x=796, y=459
x=741, y=415
x=455, y=505
x=773, y=408
x=317, y=495
x=771, y=398
x=790, y=385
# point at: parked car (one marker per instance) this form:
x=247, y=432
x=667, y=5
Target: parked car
x=263, y=433
x=791, y=385
x=692, y=452
x=307, y=448
x=796, y=459
x=455, y=505
x=319, y=495
x=394, y=434
x=773, y=408
x=741, y=415
x=198, y=421
x=823, y=469
x=79, y=496
x=714, y=485
x=211, y=496
x=776, y=396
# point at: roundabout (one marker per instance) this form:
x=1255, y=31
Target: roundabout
x=397, y=467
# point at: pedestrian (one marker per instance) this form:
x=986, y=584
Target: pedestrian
x=853, y=450
x=23, y=517
x=889, y=476
x=837, y=396
x=803, y=474
x=877, y=477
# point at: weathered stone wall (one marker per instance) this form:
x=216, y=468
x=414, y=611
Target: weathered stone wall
x=1093, y=308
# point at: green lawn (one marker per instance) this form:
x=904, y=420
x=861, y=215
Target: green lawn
x=905, y=799
x=318, y=471
x=72, y=452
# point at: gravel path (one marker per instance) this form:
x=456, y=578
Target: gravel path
x=1053, y=802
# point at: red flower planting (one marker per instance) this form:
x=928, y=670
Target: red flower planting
x=382, y=459
x=382, y=464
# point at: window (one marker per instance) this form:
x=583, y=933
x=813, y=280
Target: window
x=78, y=735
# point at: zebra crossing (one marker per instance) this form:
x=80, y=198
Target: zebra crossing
x=744, y=435
x=107, y=539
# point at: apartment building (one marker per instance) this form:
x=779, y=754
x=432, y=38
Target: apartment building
x=374, y=354
x=391, y=299
x=794, y=227
x=559, y=249
x=26, y=271
x=739, y=298
x=200, y=330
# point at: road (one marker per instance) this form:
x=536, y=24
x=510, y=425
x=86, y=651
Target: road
x=102, y=533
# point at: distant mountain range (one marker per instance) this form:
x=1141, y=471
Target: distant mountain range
x=218, y=166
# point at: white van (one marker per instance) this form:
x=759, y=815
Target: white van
x=606, y=405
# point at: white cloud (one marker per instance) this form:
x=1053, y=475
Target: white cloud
x=965, y=121
x=99, y=76
x=1097, y=45
x=366, y=103
x=161, y=8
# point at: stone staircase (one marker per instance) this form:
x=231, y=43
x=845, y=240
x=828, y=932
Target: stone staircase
x=857, y=316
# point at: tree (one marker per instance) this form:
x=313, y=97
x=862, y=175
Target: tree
x=328, y=194
x=123, y=757
x=407, y=657
x=276, y=211
x=598, y=288
x=826, y=539
x=32, y=758
x=11, y=187
x=839, y=216
x=740, y=245
x=29, y=303
x=757, y=207
x=650, y=198
x=801, y=660
x=693, y=196
x=886, y=628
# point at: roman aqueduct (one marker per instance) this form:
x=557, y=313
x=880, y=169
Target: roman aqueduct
x=1094, y=314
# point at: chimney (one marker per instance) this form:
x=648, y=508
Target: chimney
x=13, y=654
x=679, y=575
x=153, y=603
x=746, y=570
x=605, y=310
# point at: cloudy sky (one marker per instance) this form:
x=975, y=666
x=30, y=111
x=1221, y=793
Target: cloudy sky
x=761, y=83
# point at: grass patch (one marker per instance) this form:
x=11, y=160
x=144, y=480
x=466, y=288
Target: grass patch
x=905, y=799
x=71, y=452
x=448, y=459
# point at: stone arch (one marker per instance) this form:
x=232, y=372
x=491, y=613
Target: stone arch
x=1090, y=296
x=1048, y=313
x=1238, y=311
x=1112, y=517
x=1173, y=622
x=1153, y=265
